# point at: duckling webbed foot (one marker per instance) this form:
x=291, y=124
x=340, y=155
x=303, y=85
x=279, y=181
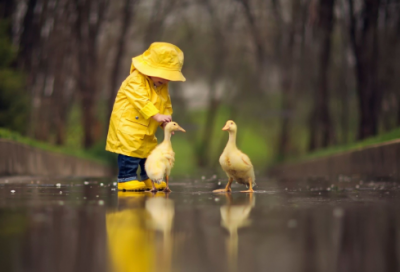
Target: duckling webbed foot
x=229, y=190
x=153, y=189
x=250, y=190
x=167, y=190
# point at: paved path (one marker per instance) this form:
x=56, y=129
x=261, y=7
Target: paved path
x=86, y=225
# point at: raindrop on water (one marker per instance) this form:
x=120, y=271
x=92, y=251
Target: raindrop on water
x=101, y=202
x=58, y=185
x=292, y=223
x=86, y=182
x=337, y=212
x=12, y=191
x=216, y=199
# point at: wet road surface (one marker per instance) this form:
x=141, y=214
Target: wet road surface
x=87, y=225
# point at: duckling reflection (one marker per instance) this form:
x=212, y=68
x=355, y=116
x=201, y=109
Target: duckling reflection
x=234, y=217
x=132, y=230
x=161, y=211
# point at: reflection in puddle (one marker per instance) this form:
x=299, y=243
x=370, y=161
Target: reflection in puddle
x=133, y=231
x=92, y=227
x=234, y=217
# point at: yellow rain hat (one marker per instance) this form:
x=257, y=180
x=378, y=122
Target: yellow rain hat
x=162, y=60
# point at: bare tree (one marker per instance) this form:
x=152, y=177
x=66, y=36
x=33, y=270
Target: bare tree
x=364, y=43
x=89, y=19
x=321, y=126
x=285, y=42
x=127, y=15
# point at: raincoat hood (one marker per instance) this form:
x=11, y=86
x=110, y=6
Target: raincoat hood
x=162, y=60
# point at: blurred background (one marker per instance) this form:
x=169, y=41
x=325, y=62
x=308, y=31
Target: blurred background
x=297, y=76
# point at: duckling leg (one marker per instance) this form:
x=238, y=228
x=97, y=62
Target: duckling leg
x=153, y=190
x=227, y=188
x=167, y=190
x=250, y=190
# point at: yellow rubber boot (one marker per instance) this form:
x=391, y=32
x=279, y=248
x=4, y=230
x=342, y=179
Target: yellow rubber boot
x=149, y=185
x=133, y=185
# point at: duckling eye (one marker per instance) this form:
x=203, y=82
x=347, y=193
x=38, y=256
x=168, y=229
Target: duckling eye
x=174, y=124
x=231, y=123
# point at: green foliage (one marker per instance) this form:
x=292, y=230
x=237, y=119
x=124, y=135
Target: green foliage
x=90, y=155
x=13, y=98
x=384, y=137
x=74, y=131
x=98, y=151
x=253, y=139
x=184, y=155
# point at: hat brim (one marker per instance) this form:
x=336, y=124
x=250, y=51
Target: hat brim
x=147, y=70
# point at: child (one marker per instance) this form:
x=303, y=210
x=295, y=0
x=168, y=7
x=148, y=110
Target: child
x=142, y=104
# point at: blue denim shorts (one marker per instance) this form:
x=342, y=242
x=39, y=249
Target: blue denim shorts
x=128, y=166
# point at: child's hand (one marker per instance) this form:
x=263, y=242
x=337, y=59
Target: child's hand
x=161, y=118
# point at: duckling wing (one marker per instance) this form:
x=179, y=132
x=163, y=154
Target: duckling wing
x=243, y=164
x=246, y=160
x=240, y=161
x=156, y=165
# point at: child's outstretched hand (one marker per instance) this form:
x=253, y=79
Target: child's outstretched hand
x=161, y=118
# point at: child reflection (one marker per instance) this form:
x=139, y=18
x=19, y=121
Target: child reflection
x=233, y=217
x=134, y=231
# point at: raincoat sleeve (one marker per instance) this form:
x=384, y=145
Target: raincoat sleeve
x=168, y=106
x=139, y=96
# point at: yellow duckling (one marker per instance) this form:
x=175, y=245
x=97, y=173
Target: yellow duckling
x=162, y=158
x=235, y=163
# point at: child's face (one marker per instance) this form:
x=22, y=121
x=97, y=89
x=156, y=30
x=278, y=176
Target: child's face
x=158, y=81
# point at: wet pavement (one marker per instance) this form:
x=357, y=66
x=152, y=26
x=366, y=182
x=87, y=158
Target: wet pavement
x=310, y=225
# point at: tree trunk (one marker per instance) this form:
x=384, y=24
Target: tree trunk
x=7, y=8
x=321, y=123
x=208, y=130
x=285, y=48
x=87, y=32
x=29, y=37
x=365, y=49
x=126, y=19
x=326, y=21
x=255, y=33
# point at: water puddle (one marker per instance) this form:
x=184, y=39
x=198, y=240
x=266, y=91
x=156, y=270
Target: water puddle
x=87, y=225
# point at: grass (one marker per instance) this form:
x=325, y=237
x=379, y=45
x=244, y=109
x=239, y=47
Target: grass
x=384, y=137
x=14, y=136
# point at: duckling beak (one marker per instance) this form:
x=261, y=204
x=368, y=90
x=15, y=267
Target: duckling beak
x=181, y=129
x=226, y=127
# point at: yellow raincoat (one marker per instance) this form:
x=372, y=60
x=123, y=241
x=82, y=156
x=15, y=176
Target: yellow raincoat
x=132, y=130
